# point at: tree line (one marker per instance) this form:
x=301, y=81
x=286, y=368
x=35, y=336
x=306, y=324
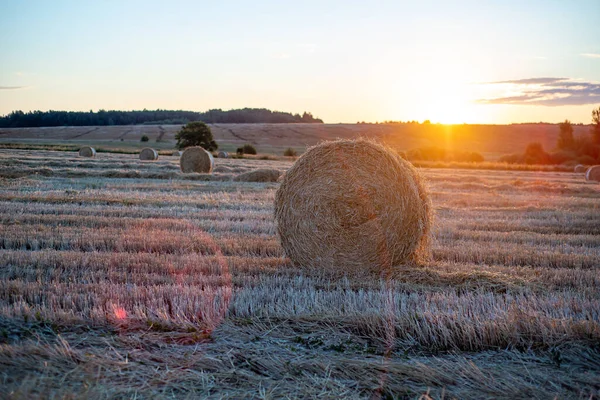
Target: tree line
x=32, y=119
x=569, y=149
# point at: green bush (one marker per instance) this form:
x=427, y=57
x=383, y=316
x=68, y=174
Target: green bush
x=586, y=160
x=248, y=149
x=289, y=152
x=535, y=154
x=585, y=146
x=472, y=157
x=433, y=153
x=144, y=138
x=512, y=159
x=562, y=156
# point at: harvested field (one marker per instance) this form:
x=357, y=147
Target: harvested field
x=121, y=278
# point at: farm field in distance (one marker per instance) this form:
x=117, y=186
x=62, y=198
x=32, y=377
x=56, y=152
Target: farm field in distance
x=492, y=141
x=121, y=278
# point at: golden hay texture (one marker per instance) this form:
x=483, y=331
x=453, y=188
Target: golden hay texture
x=223, y=154
x=580, y=168
x=87, y=151
x=148, y=154
x=196, y=159
x=593, y=173
x=259, y=175
x=353, y=205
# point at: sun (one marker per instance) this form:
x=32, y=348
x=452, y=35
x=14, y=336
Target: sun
x=449, y=108
x=447, y=94
x=447, y=101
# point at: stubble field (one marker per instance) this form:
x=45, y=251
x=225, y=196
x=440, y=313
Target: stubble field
x=126, y=279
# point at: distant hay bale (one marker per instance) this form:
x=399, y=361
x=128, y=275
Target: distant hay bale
x=148, y=154
x=177, y=153
x=593, y=173
x=224, y=169
x=196, y=159
x=259, y=175
x=223, y=154
x=353, y=205
x=87, y=151
x=580, y=169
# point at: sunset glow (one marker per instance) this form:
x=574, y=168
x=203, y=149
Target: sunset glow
x=404, y=61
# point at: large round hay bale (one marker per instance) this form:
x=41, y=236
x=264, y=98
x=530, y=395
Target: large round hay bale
x=593, y=173
x=223, y=154
x=196, y=159
x=353, y=205
x=177, y=153
x=259, y=175
x=148, y=154
x=87, y=151
x=580, y=169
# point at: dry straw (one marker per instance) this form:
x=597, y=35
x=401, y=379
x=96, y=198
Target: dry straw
x=87, y=151
x=196, y=159
x=223, y=154
x=580, y=169
x=593, y=173
x=353, y=205
x=148, y=154
x=259, y=175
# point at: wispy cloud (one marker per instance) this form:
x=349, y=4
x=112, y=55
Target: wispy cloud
x=532, y=81
x=545, y=92
x=590, y=55
x=12, y=87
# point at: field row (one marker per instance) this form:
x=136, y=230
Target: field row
x=152, y=268
x=179, y=287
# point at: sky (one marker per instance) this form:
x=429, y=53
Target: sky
x=460, y=61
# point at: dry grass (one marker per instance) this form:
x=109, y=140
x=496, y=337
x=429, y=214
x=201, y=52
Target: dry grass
x=157, y=286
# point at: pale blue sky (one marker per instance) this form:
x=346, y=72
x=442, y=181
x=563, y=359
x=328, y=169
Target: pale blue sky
x=344, y=61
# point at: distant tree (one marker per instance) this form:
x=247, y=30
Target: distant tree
x=249, y=149
x=596, y=125
x=144, y=138
x=565, y=137
x=307, y=117
x=196, y=134
x=19, y=119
